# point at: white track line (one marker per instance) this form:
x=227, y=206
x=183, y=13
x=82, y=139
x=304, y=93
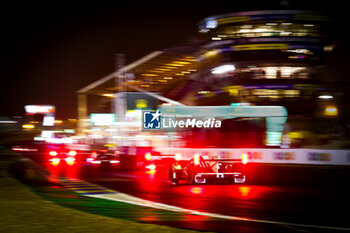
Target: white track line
x=126, y=198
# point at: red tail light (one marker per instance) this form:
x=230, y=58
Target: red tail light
x=244, y=158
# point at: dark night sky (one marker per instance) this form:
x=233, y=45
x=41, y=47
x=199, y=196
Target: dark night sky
x=50, y=50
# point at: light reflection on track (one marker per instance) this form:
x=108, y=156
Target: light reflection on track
x=302, y=205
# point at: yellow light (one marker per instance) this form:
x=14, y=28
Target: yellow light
x=161, y=69
x=55, y=161
x=296, y=134
x=331, y=111
x=149, y=75
x=211, y=53
x=72, y=153
x=58, y=121
x=182, y=62
x=70, y=160
x=174, y=64
x=244, y=158
x=108, y=95
x=141, y=103
x=53, y=153
x=148, y=156
x=28, y=126
x=196, y=159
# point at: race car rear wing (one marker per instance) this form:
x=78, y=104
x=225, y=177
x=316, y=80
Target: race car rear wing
x=244, y=159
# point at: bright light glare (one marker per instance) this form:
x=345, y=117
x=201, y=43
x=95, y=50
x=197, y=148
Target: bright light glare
x=325, y=97
x=89, y=160
x=48, y=121
x=223, y=69
x=196, y=190
x=53, y=153
x=72, y=153
x=70, y=160
x=331, y=111
x=196, y=159
x=148, y=156
x=244, y=190
x=211, y=24
x=151, y=167
x=244, y=158
x=39, y=108
x=55, y=161
x=28, y=126
x=177, y=156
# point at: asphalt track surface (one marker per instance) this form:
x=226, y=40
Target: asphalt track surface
x=275, y=199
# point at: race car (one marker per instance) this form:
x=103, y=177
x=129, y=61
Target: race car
x=201, y=170
x=103, y=156
x=59, y=154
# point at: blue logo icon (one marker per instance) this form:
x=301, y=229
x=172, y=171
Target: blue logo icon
x=151, y=119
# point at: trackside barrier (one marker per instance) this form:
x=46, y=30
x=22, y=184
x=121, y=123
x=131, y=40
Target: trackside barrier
x=258, y=155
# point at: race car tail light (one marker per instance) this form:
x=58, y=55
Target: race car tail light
x=151, y=167
x=244, y=158
x=53, y=153
x=54, y=161
x=148, y=156
x=177, y=156
x=196, y=159
x=70, y=160
x=96, y=161
x=72, y=153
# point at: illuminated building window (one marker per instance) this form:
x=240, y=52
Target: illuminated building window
x=273, y=72
x=331, y=111
x=267, y=30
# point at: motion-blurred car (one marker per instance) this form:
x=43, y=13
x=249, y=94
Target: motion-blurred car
x=103, y=156
x=201, y=170
x=60, y=154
